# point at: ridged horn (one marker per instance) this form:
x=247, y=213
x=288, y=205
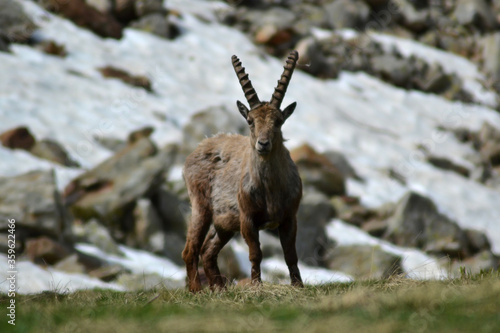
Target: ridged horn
x=280, y=90
x=246, y=84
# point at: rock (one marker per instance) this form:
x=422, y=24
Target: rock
x=413, y=19
x=112, y=144
x=3, y=45
x=475, y=12
x=146, y=7
x=446, y=164
x=147, y=281
x=308, y=17
x=104, y=6
x=156, y=24
x=107, y=273
x=270, y=245
x=274, y=37
x=393, y=69
x=342, y=164
x=315, y=211
x=477, y=241
x=136, y=135
x=435, y=80
x=33, y=201
x=489, y=144
x=491, y=55
x=125, y=10
x=53, y=48
x=317, y=171
x=18, y=138
x=311, y=56
x=108, y=192
x=70, y=264
x=84, y=15
x=490, y=152
x=488, y=133
x=364, y=262
x=45, y=251
x=483, y=261
x=148, y=233
x=173, y=246
x=173, y=210
x=209, y=122
x=376, y=228
x=228, y=264
x=417, y=223
x=133, y=80
x=15, y=25
x=53, y=151
x=347, y=14
x=376, y=3
x=96, y=234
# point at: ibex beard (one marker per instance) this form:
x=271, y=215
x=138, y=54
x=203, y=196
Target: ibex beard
x=244, y=184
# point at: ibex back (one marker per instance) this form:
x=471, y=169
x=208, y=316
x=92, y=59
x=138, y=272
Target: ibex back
x=244, y=184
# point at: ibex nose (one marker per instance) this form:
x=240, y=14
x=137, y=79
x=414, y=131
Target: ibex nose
x=264, y=143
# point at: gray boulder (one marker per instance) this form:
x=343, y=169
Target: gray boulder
x=364, y=262
x=155, y=23
x=391, y=68
x=491, y=55
x=315, y=211
x=15, y=25
x=108, y=192
x=475, y=12
x=347, y=14
x=33, y=201
x=53, y=151
x=417, y=223
x=96, y=234
x=148, y=227
x=318, y=172
x=209, y=122
x=413, y=19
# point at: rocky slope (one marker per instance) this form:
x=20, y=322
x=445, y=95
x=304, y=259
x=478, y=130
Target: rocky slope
x=396, y=134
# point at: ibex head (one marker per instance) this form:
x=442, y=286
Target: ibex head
x=266, y=118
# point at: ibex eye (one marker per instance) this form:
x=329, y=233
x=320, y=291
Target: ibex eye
x=278, y=123
x=250, y=121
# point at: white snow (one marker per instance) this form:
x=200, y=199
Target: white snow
x=31, y=279
x=416, y=264
x=138, y=261
x=377, y=126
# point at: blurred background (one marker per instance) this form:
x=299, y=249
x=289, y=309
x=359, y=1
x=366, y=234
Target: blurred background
x=396, y=134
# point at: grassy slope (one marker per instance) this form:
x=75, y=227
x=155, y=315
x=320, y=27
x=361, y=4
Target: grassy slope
x=464, y=305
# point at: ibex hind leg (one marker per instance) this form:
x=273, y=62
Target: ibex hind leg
x=201, y=218
x=215, y=241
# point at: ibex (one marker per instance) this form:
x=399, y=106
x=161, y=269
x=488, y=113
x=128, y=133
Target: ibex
x=246, y=184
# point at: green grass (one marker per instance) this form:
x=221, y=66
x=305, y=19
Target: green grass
x=469, y=304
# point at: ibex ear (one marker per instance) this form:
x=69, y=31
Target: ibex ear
x=287, y=112
x=243, y=109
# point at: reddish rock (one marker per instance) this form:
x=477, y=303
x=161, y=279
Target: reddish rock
x=318, y=171
x=84, y=15
x=18, y=138
x=46, y=251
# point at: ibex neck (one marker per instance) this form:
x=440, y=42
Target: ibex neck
x=269, y=167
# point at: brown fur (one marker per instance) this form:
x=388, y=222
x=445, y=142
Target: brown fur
x=242, y=184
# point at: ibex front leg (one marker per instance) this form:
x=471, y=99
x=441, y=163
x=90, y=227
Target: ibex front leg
x=251, y=235
x=288, y=233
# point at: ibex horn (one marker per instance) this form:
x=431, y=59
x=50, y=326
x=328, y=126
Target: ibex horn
x=280, y=90
x=246, y=84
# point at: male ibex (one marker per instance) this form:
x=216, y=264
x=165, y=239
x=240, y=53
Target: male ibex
x=239, y=183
